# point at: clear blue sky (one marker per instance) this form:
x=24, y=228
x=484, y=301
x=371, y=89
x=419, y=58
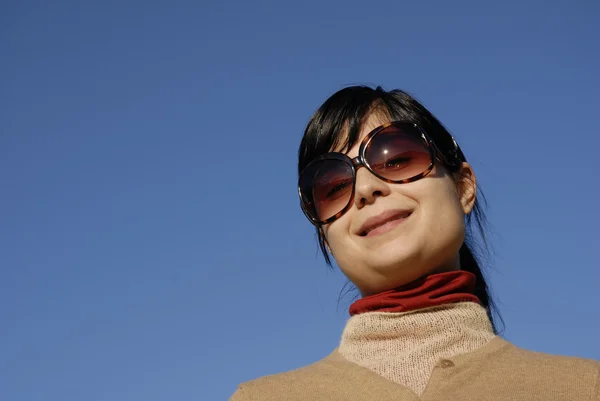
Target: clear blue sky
x=152, y=246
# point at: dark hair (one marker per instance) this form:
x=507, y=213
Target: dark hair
x=347, y=110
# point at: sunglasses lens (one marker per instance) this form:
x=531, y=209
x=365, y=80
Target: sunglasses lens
x=326, y=188
x=398, y=153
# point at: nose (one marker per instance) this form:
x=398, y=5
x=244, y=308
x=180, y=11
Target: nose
x=368, y=188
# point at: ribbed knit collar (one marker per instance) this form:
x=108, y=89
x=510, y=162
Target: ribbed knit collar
x=433, y=290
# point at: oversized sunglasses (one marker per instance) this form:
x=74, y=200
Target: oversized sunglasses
x=398, y=152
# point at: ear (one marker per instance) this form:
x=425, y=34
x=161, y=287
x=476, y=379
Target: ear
x=467, y=187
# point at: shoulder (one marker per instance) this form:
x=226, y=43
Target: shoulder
x=523, y=358
x=294, y=383
x=546, y=372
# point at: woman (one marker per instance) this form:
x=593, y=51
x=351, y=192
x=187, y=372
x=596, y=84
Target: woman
x=392, y=198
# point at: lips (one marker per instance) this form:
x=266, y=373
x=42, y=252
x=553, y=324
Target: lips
x=384, y=219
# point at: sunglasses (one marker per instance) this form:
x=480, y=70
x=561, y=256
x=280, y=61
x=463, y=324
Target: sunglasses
x=397, y=152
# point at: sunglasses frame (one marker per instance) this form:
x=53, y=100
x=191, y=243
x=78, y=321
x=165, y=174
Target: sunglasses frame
x=360, y=161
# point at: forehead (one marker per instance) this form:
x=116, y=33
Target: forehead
x=374, y=120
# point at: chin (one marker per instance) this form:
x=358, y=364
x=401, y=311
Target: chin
x=400, y=266
x=398, y=254
x=396, y=271
x=387, y=283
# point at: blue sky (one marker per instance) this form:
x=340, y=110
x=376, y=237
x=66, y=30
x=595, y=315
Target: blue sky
x=152, y=243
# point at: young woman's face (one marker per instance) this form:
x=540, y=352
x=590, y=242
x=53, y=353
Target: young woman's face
x=414, y=229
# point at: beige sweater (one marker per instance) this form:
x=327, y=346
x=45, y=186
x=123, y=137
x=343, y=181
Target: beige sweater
x=404, y=347
x=444, y=353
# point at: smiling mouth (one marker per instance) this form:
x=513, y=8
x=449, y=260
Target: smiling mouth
x=385, y=225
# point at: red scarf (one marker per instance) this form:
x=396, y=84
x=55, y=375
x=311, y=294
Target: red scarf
x=433, y=290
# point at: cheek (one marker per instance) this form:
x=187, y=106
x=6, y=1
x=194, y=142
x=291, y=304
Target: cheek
x=349, y=257
x=338, y=238
x=444, y=217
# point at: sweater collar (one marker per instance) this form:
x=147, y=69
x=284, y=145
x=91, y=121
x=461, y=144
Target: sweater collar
x=433, y=290
x=404, y=347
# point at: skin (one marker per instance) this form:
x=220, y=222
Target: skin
x=427, y=242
